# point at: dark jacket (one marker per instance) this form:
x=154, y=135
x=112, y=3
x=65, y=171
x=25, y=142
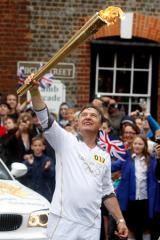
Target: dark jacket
x=127, y=188
x=13, y=148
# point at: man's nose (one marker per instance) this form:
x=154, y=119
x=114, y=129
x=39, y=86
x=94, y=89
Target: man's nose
x=88, y=116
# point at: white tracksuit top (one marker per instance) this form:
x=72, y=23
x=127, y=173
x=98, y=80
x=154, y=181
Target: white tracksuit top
x=83, y=176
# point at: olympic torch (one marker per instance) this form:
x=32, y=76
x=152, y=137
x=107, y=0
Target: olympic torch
x=107, y=16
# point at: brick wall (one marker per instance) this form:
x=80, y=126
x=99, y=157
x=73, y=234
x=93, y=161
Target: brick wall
x=33, y=30
x=14, y=41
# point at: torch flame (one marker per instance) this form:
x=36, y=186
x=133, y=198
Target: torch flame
x=110, y=14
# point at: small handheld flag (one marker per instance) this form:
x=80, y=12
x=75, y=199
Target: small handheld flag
x=21, y=75
x=47, y=80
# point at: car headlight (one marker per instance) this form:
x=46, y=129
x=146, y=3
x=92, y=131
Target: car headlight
x=38, y=219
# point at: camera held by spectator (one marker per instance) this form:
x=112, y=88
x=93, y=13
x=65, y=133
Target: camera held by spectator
x=139, y=114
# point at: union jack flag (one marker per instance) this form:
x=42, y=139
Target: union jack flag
x=114, y=147
x=47, y=80
x=21, y=75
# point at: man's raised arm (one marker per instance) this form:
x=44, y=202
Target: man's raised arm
x=37, y=100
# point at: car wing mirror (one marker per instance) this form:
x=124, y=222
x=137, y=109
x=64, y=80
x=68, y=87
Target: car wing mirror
x=18, y=169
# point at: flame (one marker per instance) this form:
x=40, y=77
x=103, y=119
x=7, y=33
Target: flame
x=110, y=14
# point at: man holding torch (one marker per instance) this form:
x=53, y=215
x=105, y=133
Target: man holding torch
x=83, y=176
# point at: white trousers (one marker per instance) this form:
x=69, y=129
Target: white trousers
x=63, y=229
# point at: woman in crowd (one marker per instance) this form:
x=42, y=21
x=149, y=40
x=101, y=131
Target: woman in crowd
x=128, y=132
x=15, y=106
x=63, y=115
x=12, y=102
x=17, y=142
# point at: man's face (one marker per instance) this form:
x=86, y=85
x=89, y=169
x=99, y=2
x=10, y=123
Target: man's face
x=89, y=120
x=112, y=106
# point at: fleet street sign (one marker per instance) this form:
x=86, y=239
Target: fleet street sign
x=60, y=71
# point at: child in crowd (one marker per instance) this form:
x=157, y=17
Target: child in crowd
x=10, y=123
x=41, y=175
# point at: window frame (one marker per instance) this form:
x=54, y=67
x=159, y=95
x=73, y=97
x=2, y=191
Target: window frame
x=96, y=48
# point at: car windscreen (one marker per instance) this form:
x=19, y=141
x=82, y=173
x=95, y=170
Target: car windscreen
x=4, y=175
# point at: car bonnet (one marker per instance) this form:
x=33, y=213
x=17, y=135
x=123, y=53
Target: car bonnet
x=16, y=197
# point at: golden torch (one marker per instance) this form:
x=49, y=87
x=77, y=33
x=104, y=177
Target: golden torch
x=107, y=16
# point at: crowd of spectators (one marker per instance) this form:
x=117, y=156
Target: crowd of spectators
x=19, y=128
x=135, y=177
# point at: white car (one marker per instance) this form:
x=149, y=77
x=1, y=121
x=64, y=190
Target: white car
x=23, y=212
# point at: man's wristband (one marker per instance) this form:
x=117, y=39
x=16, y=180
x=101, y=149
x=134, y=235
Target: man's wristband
x=121, y=220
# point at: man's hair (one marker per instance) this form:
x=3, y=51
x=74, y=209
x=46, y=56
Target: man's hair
x=89, y=105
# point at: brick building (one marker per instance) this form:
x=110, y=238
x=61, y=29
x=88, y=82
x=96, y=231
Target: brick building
x=121, y=60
